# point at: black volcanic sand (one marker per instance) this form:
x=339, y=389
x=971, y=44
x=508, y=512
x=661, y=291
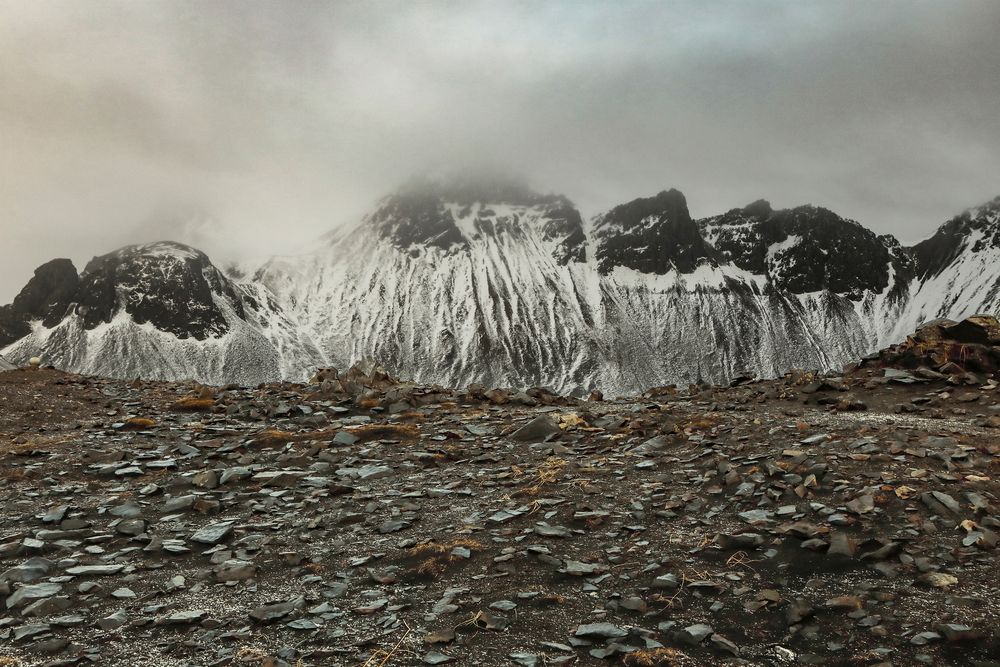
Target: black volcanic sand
x=365, y=522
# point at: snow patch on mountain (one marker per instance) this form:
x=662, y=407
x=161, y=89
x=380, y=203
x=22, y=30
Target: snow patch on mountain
x=124, y=348
x=970, y=285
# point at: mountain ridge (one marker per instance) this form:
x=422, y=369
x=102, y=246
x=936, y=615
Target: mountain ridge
x=463, y=283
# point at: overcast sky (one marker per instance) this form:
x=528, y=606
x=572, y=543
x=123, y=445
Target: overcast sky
x=251, y=127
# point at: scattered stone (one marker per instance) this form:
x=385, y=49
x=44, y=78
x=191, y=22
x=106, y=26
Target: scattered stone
x=32, y=592
x=235, y=570
x=213, y=533
x=938, y=579
x=344, y=512
x=278, y=610
x=435, y=658
x=694, y=634
x=536, y=430
x=114, y=621
x=599, y=631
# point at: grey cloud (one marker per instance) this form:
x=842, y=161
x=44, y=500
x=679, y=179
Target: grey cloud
x=253, y=127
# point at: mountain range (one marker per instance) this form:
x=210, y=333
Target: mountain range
x=464, y=281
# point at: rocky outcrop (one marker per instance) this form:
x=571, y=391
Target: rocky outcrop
x=808, y=249
x=173, y=287
x=652, y=235
x=46, y=298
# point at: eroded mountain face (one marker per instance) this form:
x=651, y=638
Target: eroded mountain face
x=171, y=286
x=487, y=281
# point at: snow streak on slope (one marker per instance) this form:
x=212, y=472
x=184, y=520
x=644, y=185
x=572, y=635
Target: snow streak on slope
x=968, y=286
x=496, y=307
x=124, y=349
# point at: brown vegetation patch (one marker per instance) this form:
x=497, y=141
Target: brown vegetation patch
x=193, y=404
x=412, y=416
x=702, y=423
x=432, y=559
x=657, y=657
x=276, y=437
x=548, y=472
x=139, y=423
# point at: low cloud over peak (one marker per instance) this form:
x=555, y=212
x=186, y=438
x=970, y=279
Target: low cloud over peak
x=275, y=122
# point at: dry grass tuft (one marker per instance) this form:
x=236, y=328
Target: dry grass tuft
x=273, y=437
x=40, y=443
x=436, y=557
x=740, y=559
x=552, y=599
x=432, y=567
x=15, y=475
x=548, y=472
x=444, y=548
x=9, y=661
x=21, y=449
x=249, y=654
x=703, y=423
x=193, y=404
x=381, y=657
x=657, y=657
x=412, y=416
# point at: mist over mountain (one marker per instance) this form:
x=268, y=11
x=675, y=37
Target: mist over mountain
x=247, y=128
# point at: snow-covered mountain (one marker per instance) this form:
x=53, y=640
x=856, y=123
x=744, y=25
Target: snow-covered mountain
x=158, y=310
x=957, y=271
x=463, y=282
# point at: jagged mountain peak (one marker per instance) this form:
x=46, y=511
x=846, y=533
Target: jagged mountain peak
x=165, y=310
x=760, y=208
x=171, y=285
x=49, y=288
x=451, y=214
x=475, y=187
x=976, y=229
x=157, y=251
x=757, y=210
x=988, y=211
x=45, y=297
x=804, y=249
x=651, y=235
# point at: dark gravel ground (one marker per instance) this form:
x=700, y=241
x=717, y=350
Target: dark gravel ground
x=360, y=521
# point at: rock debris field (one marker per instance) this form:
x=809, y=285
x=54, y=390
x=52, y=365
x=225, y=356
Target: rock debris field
x=359, y=520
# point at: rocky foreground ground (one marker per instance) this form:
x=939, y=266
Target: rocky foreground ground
x=848, y=520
